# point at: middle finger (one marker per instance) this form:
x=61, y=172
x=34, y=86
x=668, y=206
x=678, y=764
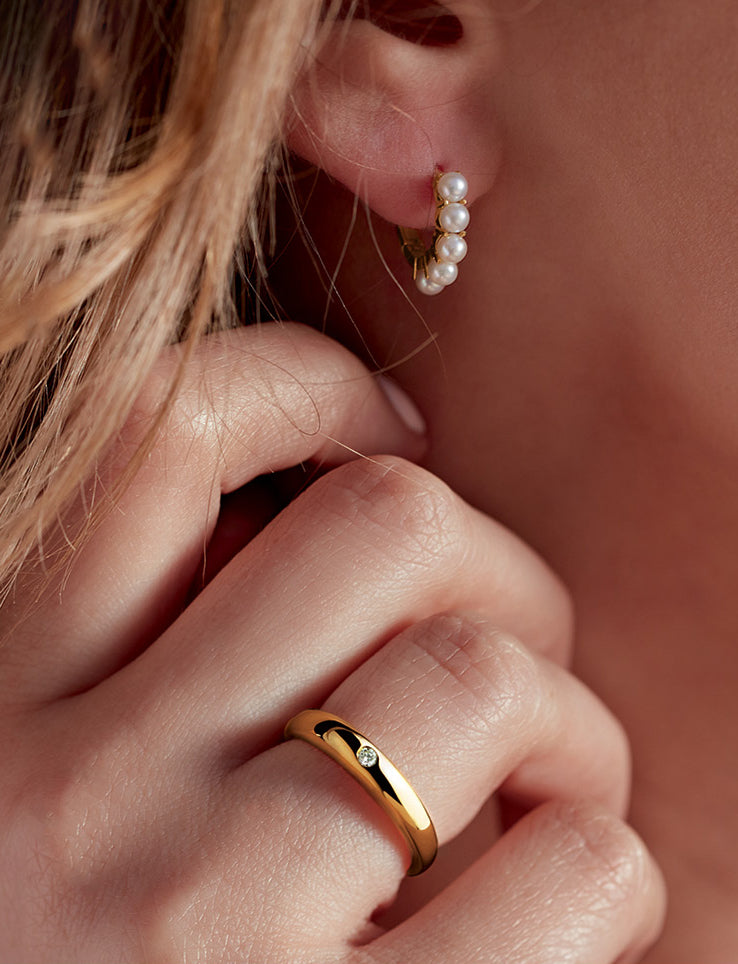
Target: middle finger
x=369, y=549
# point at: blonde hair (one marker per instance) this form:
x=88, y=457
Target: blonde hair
x=135, y=135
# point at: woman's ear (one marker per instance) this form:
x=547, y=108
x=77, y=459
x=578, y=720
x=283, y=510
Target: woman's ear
x=379, y=107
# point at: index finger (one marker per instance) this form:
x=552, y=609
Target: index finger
x=251, y=401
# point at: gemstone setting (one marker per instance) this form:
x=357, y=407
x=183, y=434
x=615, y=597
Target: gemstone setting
x=367, y=756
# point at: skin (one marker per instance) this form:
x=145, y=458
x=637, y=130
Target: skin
x=150, y=811
x=582, y=386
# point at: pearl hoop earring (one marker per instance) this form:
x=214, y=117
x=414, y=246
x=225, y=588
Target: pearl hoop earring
x=436, y=267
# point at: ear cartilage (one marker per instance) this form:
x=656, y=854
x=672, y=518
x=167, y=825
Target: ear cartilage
x=436, y=267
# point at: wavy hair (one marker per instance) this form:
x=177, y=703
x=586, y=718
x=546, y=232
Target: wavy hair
x=135, y=137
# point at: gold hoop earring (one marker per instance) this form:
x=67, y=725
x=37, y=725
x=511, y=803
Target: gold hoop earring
x=436, y=267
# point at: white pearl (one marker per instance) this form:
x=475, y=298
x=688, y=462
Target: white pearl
x=426, y=286
x=452, y=186
x=451, y=248
x=454, y=218
x=442, y=273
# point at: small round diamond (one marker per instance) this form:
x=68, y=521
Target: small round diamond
x=367, y=756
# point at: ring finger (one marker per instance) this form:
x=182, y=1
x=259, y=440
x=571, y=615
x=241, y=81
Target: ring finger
x=461, y=709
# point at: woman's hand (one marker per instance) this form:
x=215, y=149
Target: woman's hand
x=150, y=811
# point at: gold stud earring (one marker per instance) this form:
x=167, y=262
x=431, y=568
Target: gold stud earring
x=436, y=267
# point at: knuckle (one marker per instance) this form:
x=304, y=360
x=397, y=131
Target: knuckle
x=181, y=419
x=74, y=806
x=78, y=846
x=47, y=855
x=67, y=813
x=605, y=852
x=182, y=407
x=164, y=426
x=397, y=507
x=486, y=672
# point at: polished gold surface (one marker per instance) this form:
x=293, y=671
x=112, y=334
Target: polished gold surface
x=379, y=777
x=414, y=249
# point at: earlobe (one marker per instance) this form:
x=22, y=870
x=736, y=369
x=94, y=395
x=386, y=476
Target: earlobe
x=380, y=114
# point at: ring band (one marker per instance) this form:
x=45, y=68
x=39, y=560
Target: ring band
x=379, y=776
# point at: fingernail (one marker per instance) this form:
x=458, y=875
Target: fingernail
x=402, y=404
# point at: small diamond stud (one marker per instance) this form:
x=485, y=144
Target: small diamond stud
x=367, y=756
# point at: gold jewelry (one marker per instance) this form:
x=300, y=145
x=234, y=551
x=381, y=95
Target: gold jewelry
x=437, y=267
x=378, y=775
